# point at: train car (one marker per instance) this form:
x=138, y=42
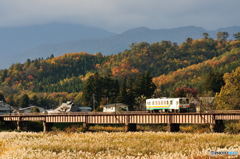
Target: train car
x=167, y=105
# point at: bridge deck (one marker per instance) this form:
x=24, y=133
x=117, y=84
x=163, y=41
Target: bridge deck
x=126, y=117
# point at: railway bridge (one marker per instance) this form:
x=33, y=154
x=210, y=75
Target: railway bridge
x=129, y=119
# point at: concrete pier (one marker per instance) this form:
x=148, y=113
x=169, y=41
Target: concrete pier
x=173, y=127
x=18, y=125
x=130, y=127
x=44, y=126
x=85, y=127
x=218, y=126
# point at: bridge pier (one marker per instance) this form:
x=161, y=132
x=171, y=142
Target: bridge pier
x=85, y=127
x=18, y=125
x=46, y=126
x=173, y=127
x=218, y=126
x=130, y=127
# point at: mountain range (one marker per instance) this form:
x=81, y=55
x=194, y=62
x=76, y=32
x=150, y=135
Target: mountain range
x=20, y=43
x=16, y=41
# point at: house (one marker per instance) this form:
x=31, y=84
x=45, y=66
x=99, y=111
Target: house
x=5, y=108
x=64, y=107
x=30, y=109
x=69, y=107
x=116, y=107
x=84, y=109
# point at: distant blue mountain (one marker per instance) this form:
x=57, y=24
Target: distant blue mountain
x=120, y=42
x=42, y=41
x=14, y=41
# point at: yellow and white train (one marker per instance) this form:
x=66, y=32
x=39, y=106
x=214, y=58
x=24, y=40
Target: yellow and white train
x=167, y=104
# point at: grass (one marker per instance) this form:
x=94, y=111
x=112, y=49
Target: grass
x=60, y=145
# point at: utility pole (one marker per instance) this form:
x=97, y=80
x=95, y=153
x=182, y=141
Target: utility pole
x=94, y=101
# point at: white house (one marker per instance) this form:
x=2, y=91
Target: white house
x=116, y=107
x=84, y=109
x=69, y=107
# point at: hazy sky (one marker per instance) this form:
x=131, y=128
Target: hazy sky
x=119, y=15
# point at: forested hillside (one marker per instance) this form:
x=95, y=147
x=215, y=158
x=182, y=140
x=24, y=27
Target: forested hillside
x=195, y=66
x=163, y=57
x=50, y=74
x=206, y=77
x=228, y=98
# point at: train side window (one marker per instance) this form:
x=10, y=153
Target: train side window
x=167, y=102
x=170, y=102
x=152, y=102
x=177, y=102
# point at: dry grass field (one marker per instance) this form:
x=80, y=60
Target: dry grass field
x=60, y=145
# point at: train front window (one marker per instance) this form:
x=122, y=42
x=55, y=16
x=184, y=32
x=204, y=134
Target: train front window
x=184, y=101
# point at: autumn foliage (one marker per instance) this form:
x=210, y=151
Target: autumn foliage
x=178, y=70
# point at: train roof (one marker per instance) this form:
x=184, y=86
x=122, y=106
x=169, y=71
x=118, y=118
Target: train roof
x=167, y=98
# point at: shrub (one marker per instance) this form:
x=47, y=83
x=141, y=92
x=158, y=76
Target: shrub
x=232, y=127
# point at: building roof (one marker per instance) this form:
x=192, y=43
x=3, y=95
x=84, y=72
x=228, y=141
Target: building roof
x=5, y=106
x=30, y=107
x=115, y=105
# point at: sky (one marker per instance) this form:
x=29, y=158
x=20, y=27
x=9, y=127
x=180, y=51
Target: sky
x=120, y=15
